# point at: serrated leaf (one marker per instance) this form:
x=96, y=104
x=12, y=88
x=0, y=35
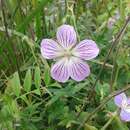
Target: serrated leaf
x=102, y=89
x=28, y=81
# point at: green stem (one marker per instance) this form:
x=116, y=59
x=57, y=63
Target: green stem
x=75, y=25
x=108, y=123
x=71, y=9
x=29, y=41
x=8, y=36
x=114, y=76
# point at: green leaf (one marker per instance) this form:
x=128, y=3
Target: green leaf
x=102, y=89
x=24, y=98
x=37, y=77
x=55, y=98
x=110, y=106
x=68, y=91
x=47, y=76
x=89, y=127
x=117, y=124
x=37, y=91
x=28, y=81
x=15, y=83
x=56, y=84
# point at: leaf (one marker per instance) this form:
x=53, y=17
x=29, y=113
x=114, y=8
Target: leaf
x=110, y=106
x=37, y=80
x=89, y=127
x=68, y=91
x=56, y=84
x=37, y=77
x=102, y=90
x=47, y=76
x=117, y=124
x=28, y=81
x=55, y=98
x=37, y=91
x=15, y=83
x=24, y=98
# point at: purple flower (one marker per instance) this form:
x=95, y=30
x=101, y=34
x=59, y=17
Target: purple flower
x=124, y=103
x=111, y=22
x=70, y=58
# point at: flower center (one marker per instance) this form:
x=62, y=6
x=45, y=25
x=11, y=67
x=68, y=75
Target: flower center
x=124, y=104
x=127, y=108
x=67, y=53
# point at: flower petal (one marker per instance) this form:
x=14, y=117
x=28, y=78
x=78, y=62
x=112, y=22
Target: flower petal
x=120, y=99
x=86, y=49
x=50, y=49
x=125, y=116
x=59, y=70
x=78, y=69
x=128, y=101
x=66, y=36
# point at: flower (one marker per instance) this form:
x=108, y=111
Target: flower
x=111, y=22
x=124, y=103
x=70, y=58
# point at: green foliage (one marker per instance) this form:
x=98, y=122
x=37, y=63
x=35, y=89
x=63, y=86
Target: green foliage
x=117, y=124
x=37, y=77
x=47, y=76
x=29, y=98
x=28, y=81
x=15, y=84
x=88, y=127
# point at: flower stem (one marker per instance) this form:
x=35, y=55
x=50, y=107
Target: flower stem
x=108, y=123
x=74, y=21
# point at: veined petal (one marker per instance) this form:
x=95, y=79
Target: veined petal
x=78, y=69
x=50, y=49
x=59, y=70
x=86, y=49
x=120, y=100
x=125, y=116
x=66, y=36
